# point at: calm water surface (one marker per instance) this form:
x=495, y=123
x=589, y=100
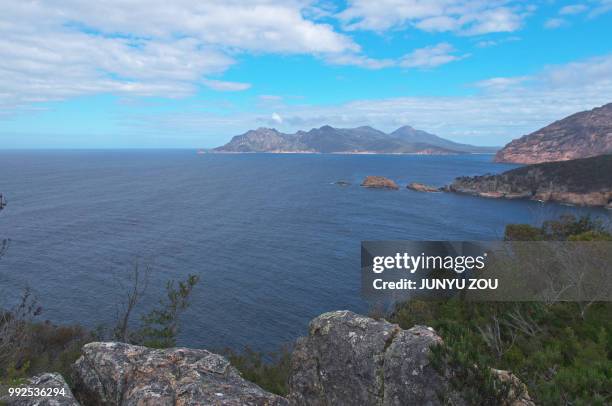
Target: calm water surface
x=274, y=240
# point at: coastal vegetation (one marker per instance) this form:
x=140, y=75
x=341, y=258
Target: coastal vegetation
x=561, y=354
x=29, y=346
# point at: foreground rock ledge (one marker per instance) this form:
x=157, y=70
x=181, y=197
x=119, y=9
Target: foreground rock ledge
x=379, y=182
x=348, y=359
x=123, y=374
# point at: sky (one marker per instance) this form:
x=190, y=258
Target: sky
x=190, y=74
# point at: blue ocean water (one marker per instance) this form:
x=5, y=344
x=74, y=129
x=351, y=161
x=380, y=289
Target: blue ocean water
x=273, y=239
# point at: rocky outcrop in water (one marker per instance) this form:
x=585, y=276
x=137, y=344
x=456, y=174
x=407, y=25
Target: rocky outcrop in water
x=128, y=375
x=379, y=182
x=585, y=182
x=48, y=383
x=581, y=135
x=421, y=187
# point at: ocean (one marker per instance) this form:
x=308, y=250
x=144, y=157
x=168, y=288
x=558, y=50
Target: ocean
x=274, y=240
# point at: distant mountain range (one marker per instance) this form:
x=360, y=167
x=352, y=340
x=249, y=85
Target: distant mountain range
x=327, y=139
x=581, y=135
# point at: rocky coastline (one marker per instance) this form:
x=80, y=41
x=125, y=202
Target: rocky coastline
x=581, y=182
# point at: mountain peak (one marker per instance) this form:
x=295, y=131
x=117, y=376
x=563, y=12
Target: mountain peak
x=404, y=128
x=580, y=135
x=265, y=129
x=364, y=139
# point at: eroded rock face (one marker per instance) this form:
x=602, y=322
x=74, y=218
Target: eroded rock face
x=379, y=182
x=57, y=392
x=348, y=359
x=123, y=374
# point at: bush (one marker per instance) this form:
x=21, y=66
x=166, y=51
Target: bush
x=272, y=374
x=562, y=357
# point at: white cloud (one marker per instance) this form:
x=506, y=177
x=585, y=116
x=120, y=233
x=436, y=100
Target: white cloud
x=502, y=108
x=57, y=50
x=601, y=7
x=500, y=19
x=426, y=57
x=226, y=86
x=592, y=74
x=276, y=118
x=359, y=60
x=430, y=57
x=553, y=23
x=501, y=82
x=270, y=98
x=470, y=17
x=257, y=25
x=573, y=9
x=491, y=43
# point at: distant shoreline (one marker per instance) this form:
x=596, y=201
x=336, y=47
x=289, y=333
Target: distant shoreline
x=337, y=153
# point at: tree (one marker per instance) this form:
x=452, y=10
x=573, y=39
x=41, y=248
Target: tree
x=160, y=326
x=140, y=278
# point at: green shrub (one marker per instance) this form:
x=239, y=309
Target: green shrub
x=562, y=357
x=271, y=374
x=160, y=326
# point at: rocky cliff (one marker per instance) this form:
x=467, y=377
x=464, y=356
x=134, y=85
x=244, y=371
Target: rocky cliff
x=327, y=139
x=346, y=359
x=581, y=135
x=585, y=181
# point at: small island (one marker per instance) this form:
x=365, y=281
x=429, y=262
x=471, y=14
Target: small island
x=379, y=182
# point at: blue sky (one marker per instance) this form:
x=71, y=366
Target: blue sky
x=124, y=74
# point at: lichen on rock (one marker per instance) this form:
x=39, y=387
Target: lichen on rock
x=122, y=374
